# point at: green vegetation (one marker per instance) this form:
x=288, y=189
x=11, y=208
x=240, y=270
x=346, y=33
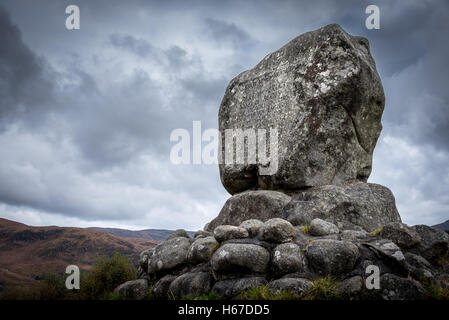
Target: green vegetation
x=105, y=276
x=435, y=292
x=210, y=296
x=263, y=293
x=323, y=289
x=98, y=283
x=305, y=229
x=376, y=232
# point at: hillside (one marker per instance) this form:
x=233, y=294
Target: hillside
x=442, y=226
x=26, y=253
x=150, y=234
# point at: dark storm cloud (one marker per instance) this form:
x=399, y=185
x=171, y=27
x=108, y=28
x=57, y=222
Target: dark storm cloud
x=137, y=46
x=89, y=122
x=24, y=84
x=225, y=34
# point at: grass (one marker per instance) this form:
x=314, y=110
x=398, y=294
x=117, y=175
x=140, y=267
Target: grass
x=263, y=293
x=376, y=232
x=305, y=229
x=323, y=289
x=435, y=292
x=209, y=296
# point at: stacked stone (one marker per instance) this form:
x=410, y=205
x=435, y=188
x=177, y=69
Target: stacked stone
x=282, y=257
x=316, y=215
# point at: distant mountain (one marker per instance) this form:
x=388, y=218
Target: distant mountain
x=442, y=226
x=26, y=253
x=150, y=234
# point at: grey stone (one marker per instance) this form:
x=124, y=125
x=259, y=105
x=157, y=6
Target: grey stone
x=191, y=284
x=350, y=286
x=404, y=236
x=331, y=257
x=229, y=288
x=352, y=206
x=398, y=288
x=169, y=255
x=132, y=290
x=202, y=234
x=277, y=230
x=302, y=239
x=322, y=93
x=252, y=225
x=319, y=227
x=233, y=258
x=417, y=261
x=143, y=258
x=418, y=267
x=296, y=286
x=227, y=232
x=353, y=235
x=264, y=244
x=178, y=233
x=260, y=204
x=287, y=258
x=387, y=249
x=160, y=289
x=202, y=249
x=434, y=244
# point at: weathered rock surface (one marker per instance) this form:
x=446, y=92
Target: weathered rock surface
x=400, y=234
x=227, y=232
x=202, y=249
x=434, y=244
x=231, y=287
x=350, y=286
x=252, y=225
x=323, y=94
x=353, y=235
x=190, y=284
x=240, y=258
x=178, y=233
x=287, y=258
x=202, y=234
x=331, y=257
x=277, y=230
x=294, y=285
x=261, y=205
x=160, y=289
x=398, y=288
x=356, y=206
x=169, y=255
x=319, y=227
x=132, y=290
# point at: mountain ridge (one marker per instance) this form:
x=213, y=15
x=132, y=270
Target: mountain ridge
x=28, y=252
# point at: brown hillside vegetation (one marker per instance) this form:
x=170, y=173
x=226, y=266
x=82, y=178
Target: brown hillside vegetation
x=27, y=253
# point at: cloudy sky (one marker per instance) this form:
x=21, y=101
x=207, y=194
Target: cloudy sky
x=86, y=115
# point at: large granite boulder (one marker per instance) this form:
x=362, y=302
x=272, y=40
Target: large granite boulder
x=240, y=258
x=168, y=255
x=322, y=93
x=331, y=257
x=357, y=206
x=261, y=204
x=132, y=290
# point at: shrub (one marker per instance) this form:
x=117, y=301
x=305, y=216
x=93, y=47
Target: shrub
x=105, y=276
